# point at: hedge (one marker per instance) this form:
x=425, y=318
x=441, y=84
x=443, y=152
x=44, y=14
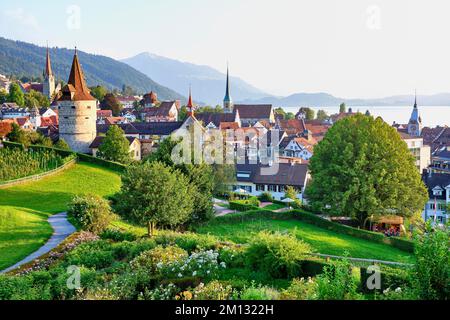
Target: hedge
x=255, y=213
x=390, y=278
x=399, y=243
x=239, y=206
x=65, y=153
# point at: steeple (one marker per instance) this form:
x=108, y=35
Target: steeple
x=227, y=101
x=190, y=105
x=76, y=86
x=48, y=65
x=415, y=121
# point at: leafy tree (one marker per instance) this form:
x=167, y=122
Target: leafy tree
x=183, y=114
x=3, y=96
x=216, y=109
x=342, y=108
x=34, y=98
x=99, y=92
x=62, y=144
x=115, y=146
x=361, y=168
x=224, y=176
x=128, y=91
x=153, y=194
x=322, y=115
x=110, y=102
x=289, y=116
x=200, y=176
x=16, y=95
x=280, y=111
x=308, y=113
x=18, y=135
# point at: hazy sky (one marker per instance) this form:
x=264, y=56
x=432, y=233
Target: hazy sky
x=349, y=48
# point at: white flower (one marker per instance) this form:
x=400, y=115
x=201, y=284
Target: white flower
x=223, y=265
x=180, y=275
x=194, y=273
x=398, y=290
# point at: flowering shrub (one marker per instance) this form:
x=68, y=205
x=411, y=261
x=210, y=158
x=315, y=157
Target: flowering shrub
x=187, y=241
x=163, y=292
x=234, y=256
x=279, y=255
x=259, y=293
x=154, y=259
x=214, y=290
x=201, y=264
x=397, y=294
x=300, y=289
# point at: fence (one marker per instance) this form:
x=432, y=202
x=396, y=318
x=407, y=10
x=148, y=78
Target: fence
x=37, y=176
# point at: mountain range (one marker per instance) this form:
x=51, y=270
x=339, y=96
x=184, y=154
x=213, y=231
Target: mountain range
x=24, y=59
x=170, y=78
x=208, y=84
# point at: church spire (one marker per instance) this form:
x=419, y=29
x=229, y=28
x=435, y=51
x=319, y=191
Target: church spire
x=227, y=101
x=415, y=99
x=48, y=64
x=190, y=105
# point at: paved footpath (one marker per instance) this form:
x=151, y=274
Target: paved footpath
x=62, y=228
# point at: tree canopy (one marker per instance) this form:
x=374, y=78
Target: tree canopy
x=115, y=146
x=155, y=194
x=307, y=112
x=322, y=115
x=361, y=168
x=16, y=95
x=342, y=108
x=110, y=102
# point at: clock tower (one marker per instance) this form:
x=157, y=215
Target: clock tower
x=415, y=122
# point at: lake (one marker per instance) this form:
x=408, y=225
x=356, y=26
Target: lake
x=432, y=116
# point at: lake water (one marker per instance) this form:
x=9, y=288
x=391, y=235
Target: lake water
x=431, y=116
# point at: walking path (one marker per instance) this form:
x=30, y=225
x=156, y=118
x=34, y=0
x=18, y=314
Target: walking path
x=62, y=228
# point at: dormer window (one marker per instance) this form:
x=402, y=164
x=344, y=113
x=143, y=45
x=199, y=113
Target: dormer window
x=437, y=191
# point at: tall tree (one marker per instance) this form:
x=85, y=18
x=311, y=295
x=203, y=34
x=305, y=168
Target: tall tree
x=307, y=112
x=34, y=98
x=3, y=95
x=18, y=135
x=115, y=146
x=16, y=95
x=342, y=108
x=362, y=168
x=322, y=115
x=99, y=92
x=110, y=102
x=153, y=194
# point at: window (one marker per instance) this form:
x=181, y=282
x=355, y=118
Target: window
x=87, y=118
x=73, y=107
x=272, y=188
x=260, y=187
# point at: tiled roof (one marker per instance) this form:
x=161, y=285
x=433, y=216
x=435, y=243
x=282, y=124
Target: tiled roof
x=144, y=128
x=76, y=84
x=162, y=111
x=5, y=128
x=436, y=180
x=215, y=118
x=249, y=111
x=104, y=113
x=287, y=174
x=293, y=126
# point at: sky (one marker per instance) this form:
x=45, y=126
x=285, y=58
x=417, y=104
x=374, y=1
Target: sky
x=349, y=48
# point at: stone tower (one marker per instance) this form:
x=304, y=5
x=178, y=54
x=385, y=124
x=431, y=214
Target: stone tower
x=49, y=79
x=227, y=101
x=415, y=122
x=35, y=118
x=77, y=111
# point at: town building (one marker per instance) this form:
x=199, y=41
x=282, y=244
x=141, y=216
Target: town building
x=5, y=83
x=77, y=111
x=256, y=179
x=440, y=162
x=167, y=111
x=149, y=100
x=421, y=152
x=49, y=87
x=437, y=207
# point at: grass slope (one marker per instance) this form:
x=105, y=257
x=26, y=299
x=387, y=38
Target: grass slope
x=24, y=209
x=322, y=240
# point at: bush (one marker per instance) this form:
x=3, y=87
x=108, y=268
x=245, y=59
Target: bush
x=96, y=254
x=234, y=257
x=337, y=282
x=187, y=241
x=130, y=250
x=277, y=254
x=23, y=288
x=214, y=290
x=259, y=293
x=266, y=197
x=203, y=264
x=163, y=292
x=117, y=235
x=391, y=278
x=153, y=260
x=239, y=206
x=300, y=289
x=92, y=213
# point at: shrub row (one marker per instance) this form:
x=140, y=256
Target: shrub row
x=255, y=213
x=239, y=206
x=390, y=278
x=399, y=243
x=66, y=153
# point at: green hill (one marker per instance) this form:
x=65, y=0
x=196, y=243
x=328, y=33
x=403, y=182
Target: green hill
x=24, y=59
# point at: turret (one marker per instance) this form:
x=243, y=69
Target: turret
x=227, y=101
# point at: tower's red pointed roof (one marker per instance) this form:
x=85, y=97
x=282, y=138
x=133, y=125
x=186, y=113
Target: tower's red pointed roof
x=76, y=88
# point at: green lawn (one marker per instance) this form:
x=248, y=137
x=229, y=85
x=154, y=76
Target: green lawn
x=24, y=209
x=322, y=240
